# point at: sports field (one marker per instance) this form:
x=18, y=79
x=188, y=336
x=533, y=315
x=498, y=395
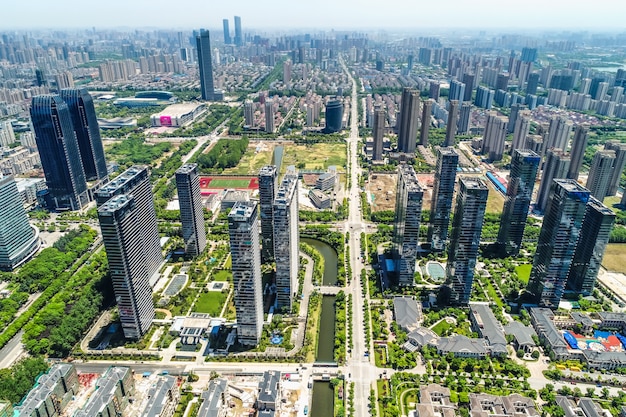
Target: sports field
x=228, y=182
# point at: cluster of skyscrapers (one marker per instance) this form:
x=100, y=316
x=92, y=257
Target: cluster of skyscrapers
x=278, y=241
x=70, y=147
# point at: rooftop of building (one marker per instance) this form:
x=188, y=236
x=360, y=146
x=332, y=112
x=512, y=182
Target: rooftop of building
x=462, y=344
x=474, y=183
x=611, y=316
x=178, y=109
x=599, y=206
x=211, y=398
x=122, y=179
x=268, y=387
x=523, y=334
x=489, y=325
x=242, y=209
x=105, y=389
x=114, y=203
x=448, y=151
x=158, y=395
x=407, y=312
x=43, y=387
x=187, y=168
x=268, y=170
x=484, y=405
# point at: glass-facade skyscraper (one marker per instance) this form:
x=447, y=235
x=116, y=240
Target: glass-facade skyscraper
x=18, y=239
x=120, y=222
x=205, y=64
x=243, y=229
x=443, y=192
x=268, y=184
x=467, y=224
x=561, y=229
x=524, y=166
x=407, y=223
x=87, y=131
x=191, y=214
x=286, y=240
x=59, y=152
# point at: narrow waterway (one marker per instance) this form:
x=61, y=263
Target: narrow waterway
x=322, y=404
x=330, y=259
x=326, y=339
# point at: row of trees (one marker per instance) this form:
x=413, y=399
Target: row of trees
x=225, y=154
x=61, y=323
x=17, y=380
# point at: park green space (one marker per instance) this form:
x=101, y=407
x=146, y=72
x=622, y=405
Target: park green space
x=317, y=156
x=210, y=302
x=523, y=272
x=614, y=256
x=252, y=160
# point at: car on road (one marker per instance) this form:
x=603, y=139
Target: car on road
x=306, y=410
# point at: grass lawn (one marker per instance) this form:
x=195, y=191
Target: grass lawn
x=222, y=275
x=229, y=262
x=614, y=257
x=210, y=302
x=380, y=357
x=252, y=161
x=495, y=200
x=441, y=327
x=229, y=183
x=611, y=201
x=523, y=272
x=316, y=156
x=493, y=295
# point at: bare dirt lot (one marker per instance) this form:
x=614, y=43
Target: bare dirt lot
x=381, y=191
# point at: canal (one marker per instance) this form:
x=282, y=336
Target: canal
x=330, y=259
x=322, y=404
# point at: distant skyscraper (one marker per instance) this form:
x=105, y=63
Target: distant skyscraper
x=620, y=162
x=524, y=166
x=287, y=71
x=120, y=222
x=334, y=115
x=434, y=90
x=520, y=132
x=409, y=120
x=465, y=114
x=407, y=223
x=533, y=82
x=427, y=109
x=594, y=236
x=558, y=133
x=286, y=241
x=556, y=167
x=268, y=185
x=600, y=173
x=453, y=117
x=559, y=235
x=59, y=152
x=577, y=152
x=135, y=181
x=457, y=91
x=243, y=229
x=494, y=136
x=269, y=115
x=516, y=108
x=484, y=97
x=64, y=79
x=87, y=131
x=378, y=133
x=191, y=213
x=468, y=80
x=443, y=192
x=18, y=240
x=205, y=63
x=248, y=113
x=238, y=34
x=467, y=224
x=227, y=39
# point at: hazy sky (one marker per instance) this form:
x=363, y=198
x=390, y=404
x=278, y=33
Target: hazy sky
x=311, y=14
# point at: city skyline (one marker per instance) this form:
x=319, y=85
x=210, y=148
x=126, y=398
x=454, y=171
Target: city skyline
x=486, y=14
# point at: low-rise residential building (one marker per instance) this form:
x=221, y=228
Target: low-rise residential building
x=113, y=390
x=461, y=346
x=215, y=399
x=615, y=321
x=547, y=332
x=514, y=405
x=419, y=338
x=585, y=407
x=407, y=313
x=434, y=401
x=269, y=392
x=485, y=323
x=327, y=180
x=51, y=393
x=163, y=397
x=522, y=336
x=319, y=199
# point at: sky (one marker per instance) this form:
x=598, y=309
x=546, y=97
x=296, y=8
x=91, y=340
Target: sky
x=272, y=15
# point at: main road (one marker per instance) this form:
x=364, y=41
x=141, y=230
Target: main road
x=360, y=369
